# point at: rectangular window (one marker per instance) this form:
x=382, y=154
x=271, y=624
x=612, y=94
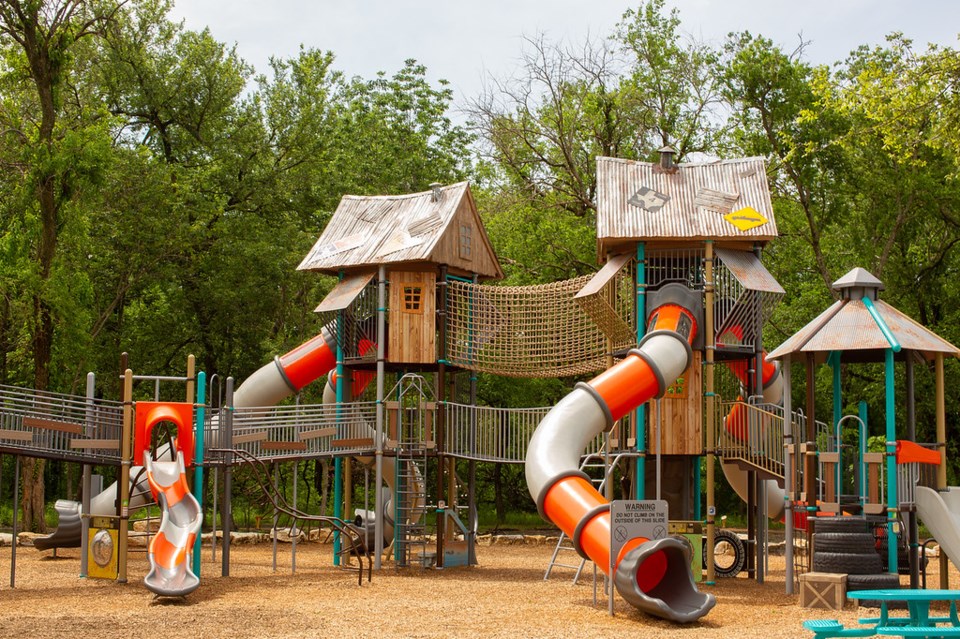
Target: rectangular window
x=412, y=299
x=466, y=241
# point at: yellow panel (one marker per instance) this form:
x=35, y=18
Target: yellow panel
x=102, y=553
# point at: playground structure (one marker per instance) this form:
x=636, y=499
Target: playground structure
x=682, y=289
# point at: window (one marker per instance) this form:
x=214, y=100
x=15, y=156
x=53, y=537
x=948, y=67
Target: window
x=412, y=299
x=466, y=241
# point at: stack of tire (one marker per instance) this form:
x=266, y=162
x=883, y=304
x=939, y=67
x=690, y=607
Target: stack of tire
x=847, y=545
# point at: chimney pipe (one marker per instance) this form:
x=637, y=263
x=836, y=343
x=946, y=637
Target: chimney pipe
x=666, y=159
x=435, y=187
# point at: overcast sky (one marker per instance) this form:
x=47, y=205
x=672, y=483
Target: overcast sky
x=464, y=41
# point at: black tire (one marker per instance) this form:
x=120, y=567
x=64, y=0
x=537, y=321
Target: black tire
x=850, y=563
x=839, y=525
x=860, y=543
x=729, y=553
x=882, y=581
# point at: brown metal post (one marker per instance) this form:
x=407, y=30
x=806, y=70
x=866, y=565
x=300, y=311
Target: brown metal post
x=709, y=337
x=126, y=457
x=942, y=445
x=191, y=378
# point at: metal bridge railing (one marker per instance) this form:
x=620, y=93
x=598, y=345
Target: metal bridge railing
x=54, y=425
x=292, y=432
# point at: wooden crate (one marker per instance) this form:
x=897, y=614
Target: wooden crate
x=826, y=590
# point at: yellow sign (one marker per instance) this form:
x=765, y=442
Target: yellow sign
x=746, y=218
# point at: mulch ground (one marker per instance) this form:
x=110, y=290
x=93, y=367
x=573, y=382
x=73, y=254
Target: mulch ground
x=506, y=596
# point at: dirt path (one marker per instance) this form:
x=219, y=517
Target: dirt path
x=505, y=596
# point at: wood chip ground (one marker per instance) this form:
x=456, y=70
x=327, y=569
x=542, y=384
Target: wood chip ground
x=505, y=596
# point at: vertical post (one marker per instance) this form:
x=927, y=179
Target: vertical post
x=381, y=371
x=834, y=360
x=891, y=463
x=294, y=529
x=86, y=485
x=338, y=461
x=226, y=507
x=862, y=478
x=441, y=422
x=788, y=475
x=16, y=519
x=942, y=445
x=809, y=457
x=472, y=515
x=639, y=417
x=913, y=529
x=710, y=397
x=200, y=416
x=126, y=456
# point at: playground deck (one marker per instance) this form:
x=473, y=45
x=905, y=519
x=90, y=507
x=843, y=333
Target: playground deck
x=505, y=597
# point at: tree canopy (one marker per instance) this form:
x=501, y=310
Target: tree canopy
x=157, y=192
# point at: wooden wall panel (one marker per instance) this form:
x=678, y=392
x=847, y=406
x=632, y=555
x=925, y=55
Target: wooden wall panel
x=681, y=424
x=413, y=323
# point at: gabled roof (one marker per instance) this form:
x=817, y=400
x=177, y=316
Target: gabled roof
x=848, y=326
x=721, y=200
x=367, y=231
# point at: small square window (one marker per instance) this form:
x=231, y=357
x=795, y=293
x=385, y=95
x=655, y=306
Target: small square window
x=412, y=299
x=466, y=241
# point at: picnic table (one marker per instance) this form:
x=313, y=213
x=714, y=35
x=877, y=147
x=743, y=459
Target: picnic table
x=919, y=623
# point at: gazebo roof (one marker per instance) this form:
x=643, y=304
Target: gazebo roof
x=849, y=326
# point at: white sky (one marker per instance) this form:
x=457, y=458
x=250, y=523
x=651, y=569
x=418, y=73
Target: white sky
x=464, y=42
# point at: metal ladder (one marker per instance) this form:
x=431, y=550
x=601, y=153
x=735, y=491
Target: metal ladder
x=565, y=544
x=410, y=530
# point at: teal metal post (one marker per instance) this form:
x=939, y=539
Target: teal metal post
x=891, y=464
x=891, y=419
x=862, y=466
x=640, y=487
x=338, y=462
x=834, y=360
x=200, y=416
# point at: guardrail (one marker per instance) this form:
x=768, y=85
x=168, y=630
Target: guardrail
x=59, y=426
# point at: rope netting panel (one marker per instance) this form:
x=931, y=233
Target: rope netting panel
x=524, y=331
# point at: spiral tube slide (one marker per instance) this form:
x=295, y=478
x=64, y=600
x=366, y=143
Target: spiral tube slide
x=653, y=576
x=180, y=520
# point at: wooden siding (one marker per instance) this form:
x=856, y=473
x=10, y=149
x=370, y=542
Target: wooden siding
x=413, y=326
x=681, y=430
x=449, y=249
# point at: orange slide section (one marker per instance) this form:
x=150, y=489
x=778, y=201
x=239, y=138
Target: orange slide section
x=654, y=576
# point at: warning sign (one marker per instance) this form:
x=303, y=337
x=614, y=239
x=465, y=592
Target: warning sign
x=630, y=519
x=746, y=218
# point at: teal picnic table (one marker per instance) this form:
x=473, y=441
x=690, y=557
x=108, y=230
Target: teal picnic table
x=919, y=623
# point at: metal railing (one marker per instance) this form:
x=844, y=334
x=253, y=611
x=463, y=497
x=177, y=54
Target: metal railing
x=294, y=432
x=59, y=426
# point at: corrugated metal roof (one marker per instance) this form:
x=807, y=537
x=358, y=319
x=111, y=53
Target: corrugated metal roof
x=848, y=326
x=640, y=201
x=749, y=271
x=387, y=229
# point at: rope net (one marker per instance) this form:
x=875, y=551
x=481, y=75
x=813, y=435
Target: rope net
x=531, y=331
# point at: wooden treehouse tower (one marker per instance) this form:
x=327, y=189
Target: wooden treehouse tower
x=394, y=256
x=694, y=230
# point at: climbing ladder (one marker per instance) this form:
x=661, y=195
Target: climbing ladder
x=411, y=420
x=597, y=460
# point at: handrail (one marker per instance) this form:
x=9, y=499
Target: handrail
x=280, y=504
